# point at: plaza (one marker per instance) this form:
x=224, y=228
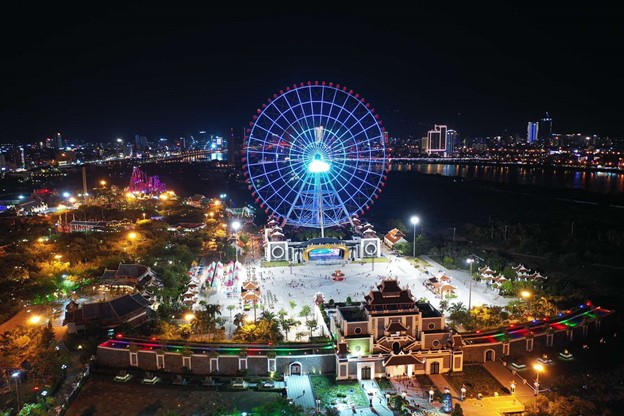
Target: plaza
x=301, y=282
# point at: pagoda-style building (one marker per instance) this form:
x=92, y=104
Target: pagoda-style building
x=390, y=334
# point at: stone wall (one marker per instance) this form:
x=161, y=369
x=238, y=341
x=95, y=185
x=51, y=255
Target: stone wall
x=228, y=364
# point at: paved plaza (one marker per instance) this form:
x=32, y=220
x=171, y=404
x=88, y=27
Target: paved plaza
x=301, y=282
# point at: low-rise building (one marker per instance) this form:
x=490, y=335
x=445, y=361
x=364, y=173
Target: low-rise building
x=390, y=334
x=394, y=236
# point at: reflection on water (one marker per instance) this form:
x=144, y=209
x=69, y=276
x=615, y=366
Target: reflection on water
x=601, y=182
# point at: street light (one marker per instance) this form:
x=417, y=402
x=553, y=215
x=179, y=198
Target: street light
x=414, y=220
x=538, y=369
x=470, y=261
x=15, y=375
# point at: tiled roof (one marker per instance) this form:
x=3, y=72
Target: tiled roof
x=402, y=359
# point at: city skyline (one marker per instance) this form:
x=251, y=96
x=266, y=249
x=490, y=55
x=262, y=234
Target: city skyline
x=165, y=70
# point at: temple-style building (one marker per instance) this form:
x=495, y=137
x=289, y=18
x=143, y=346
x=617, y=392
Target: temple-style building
x=392, y=334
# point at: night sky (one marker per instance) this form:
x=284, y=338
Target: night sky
x=166, y=69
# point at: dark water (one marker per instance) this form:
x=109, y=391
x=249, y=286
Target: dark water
x=443, y=196
x=560, y=178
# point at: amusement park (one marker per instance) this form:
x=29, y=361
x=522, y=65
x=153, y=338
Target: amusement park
x=315, y=160
x=312, y=309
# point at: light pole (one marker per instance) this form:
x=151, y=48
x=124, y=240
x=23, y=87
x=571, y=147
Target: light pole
x=15, y=375
x=414, y=220
x=236, y=226
x=538, y=369
x=470, y=261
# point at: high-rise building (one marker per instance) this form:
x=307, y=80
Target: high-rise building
x=140, y=142
x=59, y=141
x=545, y=127
x=235, y=147
x=532, y=131
x=451, y=139
x=436, y=139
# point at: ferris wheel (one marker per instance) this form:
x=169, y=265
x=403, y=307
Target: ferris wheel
x=315, y=155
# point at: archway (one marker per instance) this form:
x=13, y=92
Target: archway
x=435, y=368
x=396, y=347
x=489, y=355
x=366, y=373
x=295, y=368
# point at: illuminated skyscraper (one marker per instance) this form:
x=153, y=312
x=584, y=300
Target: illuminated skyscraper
x=451, y=138
x=436, y=139
x=59, y=141
x=545, y=128
x=532, y=131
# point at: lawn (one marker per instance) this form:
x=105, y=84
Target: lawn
x=477, y=380
x=331, y=392
x=384, y=384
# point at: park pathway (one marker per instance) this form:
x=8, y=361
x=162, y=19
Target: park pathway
x=524, y=391
x=299, y=390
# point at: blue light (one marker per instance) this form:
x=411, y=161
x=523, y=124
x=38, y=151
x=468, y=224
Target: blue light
x=318, y=165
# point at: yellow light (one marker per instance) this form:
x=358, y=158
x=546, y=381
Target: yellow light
x=72, y=199
x=130, y=195
x=34, y=319
x=163, y=197
x=41, y=239
x=538, y=367
x=58, y=256
x=525, y=294
x=103, y=182
x=189, y=317
x=132, y=235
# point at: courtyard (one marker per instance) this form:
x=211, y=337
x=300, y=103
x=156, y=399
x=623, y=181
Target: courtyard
x=284, y=286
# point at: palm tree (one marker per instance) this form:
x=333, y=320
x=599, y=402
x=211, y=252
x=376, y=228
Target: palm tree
x=282, y=314
x=230, y=308
x=312, y=325
x=240, y=319
x=292, y=304
x=268, y=315
x=457, y=308
x=288, y=324
x=305, y=312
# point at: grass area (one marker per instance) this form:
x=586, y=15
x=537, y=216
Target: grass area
x=371, y=259
x=384, y=384
x=277, y=264
x=477, y=380
x=332, y=392
x=418, y=262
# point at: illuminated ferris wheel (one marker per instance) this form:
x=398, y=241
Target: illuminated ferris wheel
x=315, y=155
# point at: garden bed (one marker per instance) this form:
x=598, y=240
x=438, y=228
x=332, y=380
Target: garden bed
x=477, y=380
x=332, y=392
x=384, y=384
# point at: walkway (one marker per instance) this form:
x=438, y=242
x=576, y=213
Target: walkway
x=441, y=383
x=524, y=392
x=416, y=394
x=299, y=390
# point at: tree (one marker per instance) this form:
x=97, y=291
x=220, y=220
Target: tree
x=280, y=406
x=230, y=308
x=287, y=324
x=312, y=324
x=305, y=312
x=458, y=411
x=292, y=304
x=571, y=405
x=240, y=319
